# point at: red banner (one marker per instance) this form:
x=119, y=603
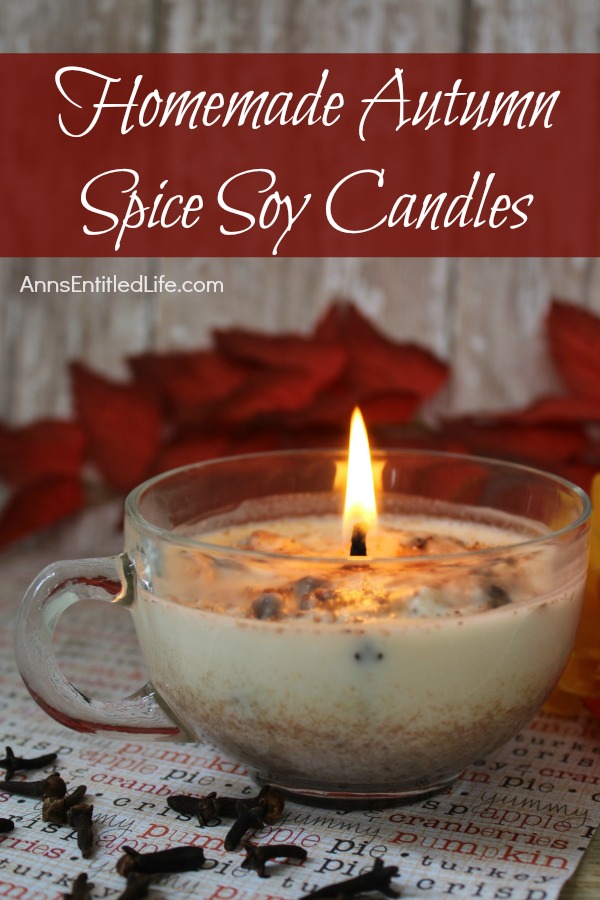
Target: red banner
x=300, y=155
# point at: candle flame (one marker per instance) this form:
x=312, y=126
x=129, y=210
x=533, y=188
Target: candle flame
x=360, y=507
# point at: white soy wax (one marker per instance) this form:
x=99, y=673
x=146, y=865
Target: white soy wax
x=392, y=671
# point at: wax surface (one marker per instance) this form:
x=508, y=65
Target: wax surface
x=300, y=567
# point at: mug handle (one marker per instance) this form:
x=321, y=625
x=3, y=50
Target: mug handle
x=53, y=591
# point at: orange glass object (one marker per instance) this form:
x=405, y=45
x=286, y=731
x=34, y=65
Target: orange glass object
x=581, y=678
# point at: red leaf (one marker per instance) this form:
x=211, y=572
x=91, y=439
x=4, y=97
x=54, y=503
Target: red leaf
x=290, y=372
x=188, y=382
x=574, y=338
x=121, y=423
x=580, y=473
x=283, y=351
x=189, y=450
x=38, y=504
x=556, y=410
x=376, y=363
x=269, y=393
x=333, y=408
x=540, y=444
x=389, y=407
x=47, y=447
x=259, y=440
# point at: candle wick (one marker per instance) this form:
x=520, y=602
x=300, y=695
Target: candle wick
x=358, y=544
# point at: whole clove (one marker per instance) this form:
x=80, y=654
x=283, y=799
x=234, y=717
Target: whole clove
x=137, y=887
x=207, y=809
x=79, y=817
x=264, y=809
x=376, y=879
x=52, y=786
x=81, y=889
x=76, y=796
x=212, y=808
x=257, y=856
x=248, y=818
x=176, y=859
x=6, y=825
x=14, y=763
x=271, y=801
x=55, y=809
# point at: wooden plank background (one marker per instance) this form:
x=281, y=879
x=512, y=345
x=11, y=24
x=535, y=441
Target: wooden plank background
x=485, y=316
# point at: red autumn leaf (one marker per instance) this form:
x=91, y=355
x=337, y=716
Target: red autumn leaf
x=259, y=440
x=333, y=408
x=580, y=473
x=282, y=351
x=188, y=382
x=188, y=450
x=389, y=407
x=375, y=363
x=121, y=423
x=290, y=372
x=463, y=481
x=421, y=440
x=574, y=339
x=542, y=444
x=555, y=410
x=267, y=394
x=39, y=504
x=47, y=447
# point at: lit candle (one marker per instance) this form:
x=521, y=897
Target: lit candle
x=269, y=628
x=360, y=509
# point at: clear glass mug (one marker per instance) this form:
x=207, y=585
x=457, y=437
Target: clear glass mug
x=381, y=705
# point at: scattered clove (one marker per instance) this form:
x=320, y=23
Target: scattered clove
x=81, y=889
x=271, y=801
x=248, y=817
x=376, y=879
x=257, y=856
x=76, y=796
x=14, y=763
x=176, y=859
x=137, y=887
x=212, y=808
x=6, y=825
x=207, y=809
x=55, y=809
x=52, y=786
x=79, y=817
